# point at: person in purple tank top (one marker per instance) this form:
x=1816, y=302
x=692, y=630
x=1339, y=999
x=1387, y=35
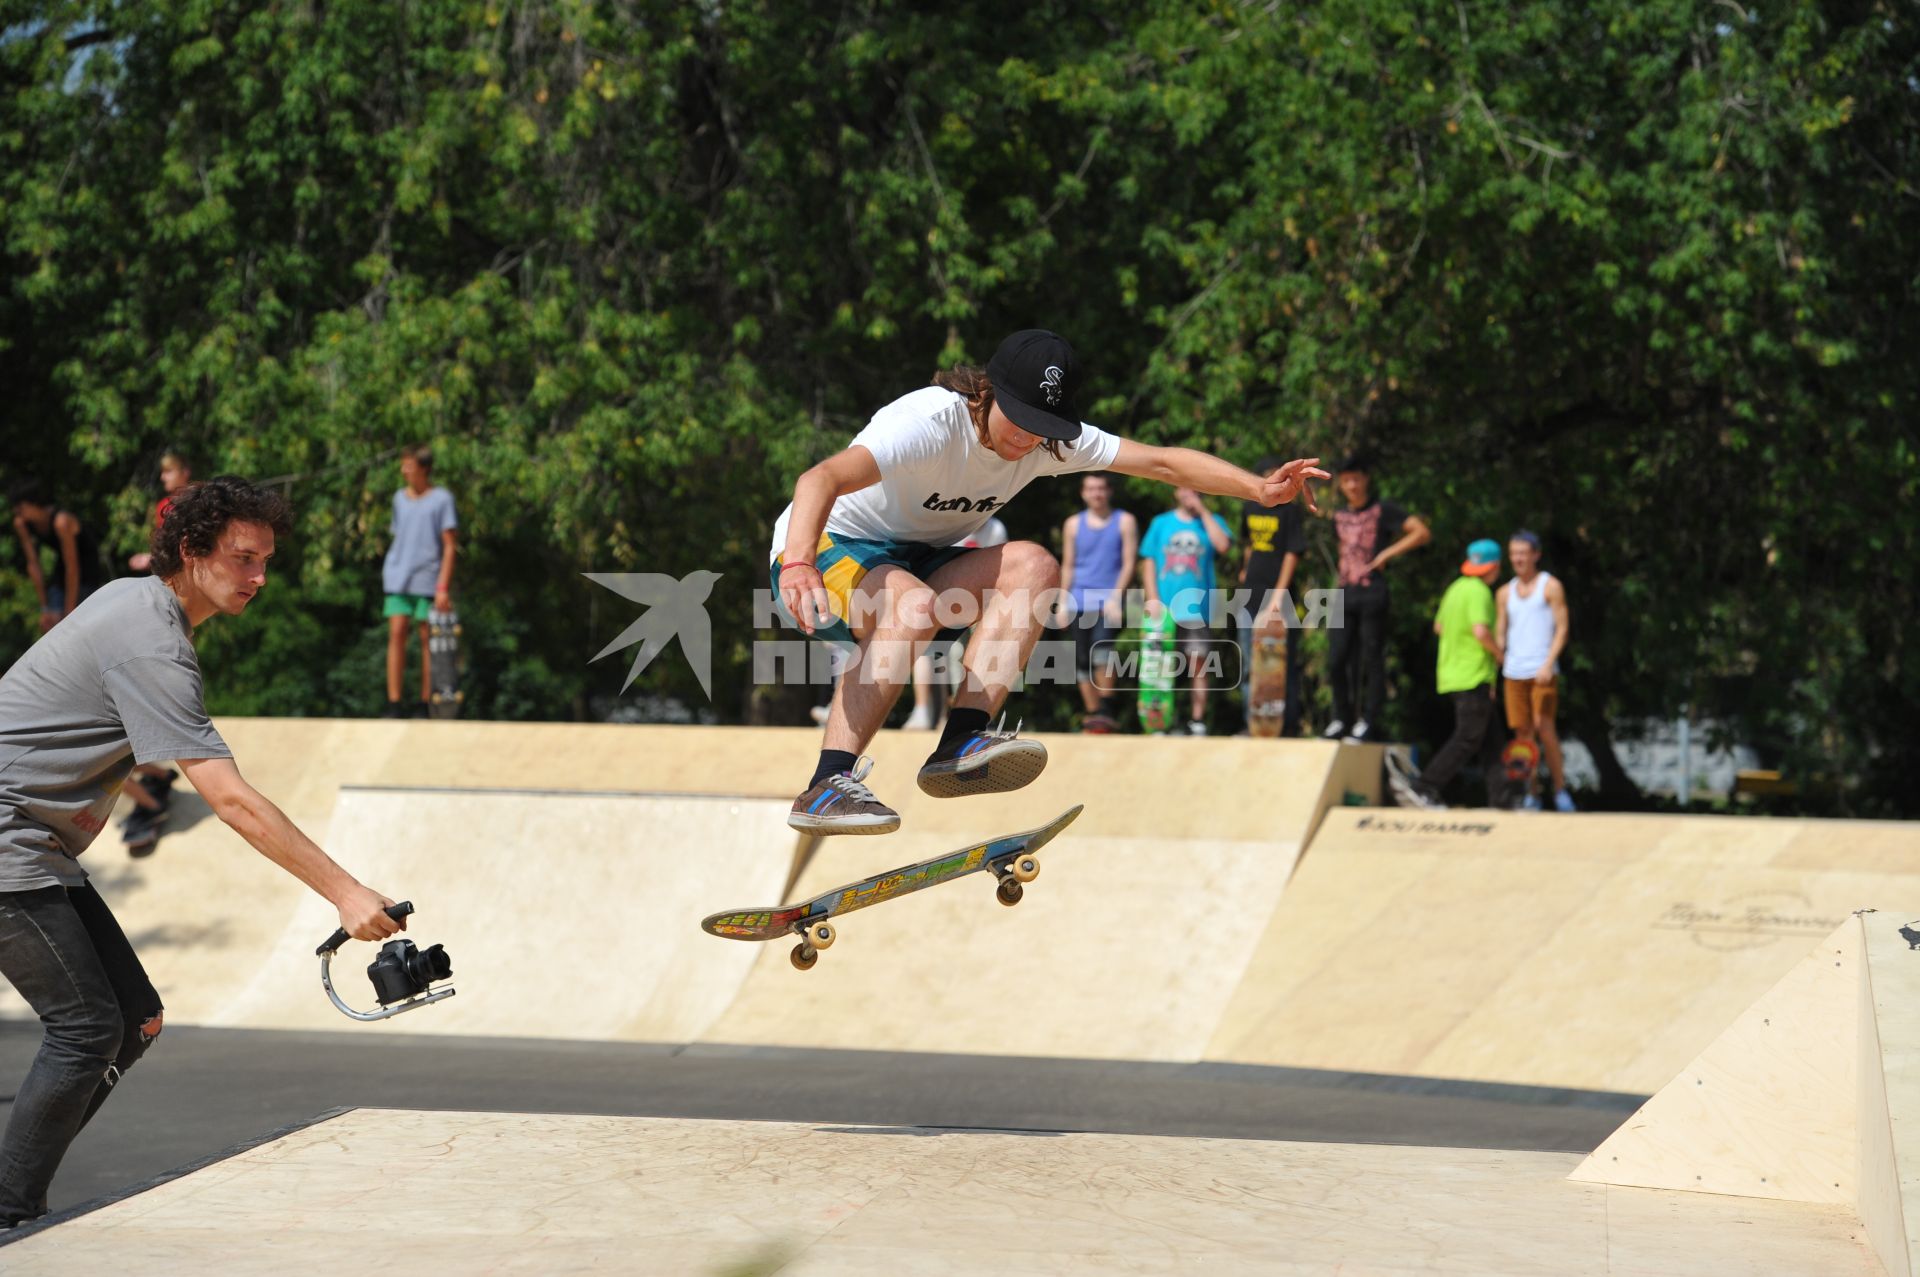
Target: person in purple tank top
x=1098, y=548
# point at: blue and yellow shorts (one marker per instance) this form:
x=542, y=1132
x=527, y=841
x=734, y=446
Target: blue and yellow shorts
x=845, y=561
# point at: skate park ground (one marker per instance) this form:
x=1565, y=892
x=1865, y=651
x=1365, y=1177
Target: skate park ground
x=1265, y=1024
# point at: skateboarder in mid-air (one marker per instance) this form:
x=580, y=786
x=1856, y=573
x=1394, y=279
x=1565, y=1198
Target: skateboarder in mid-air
x=114, y=684
x=867, y=547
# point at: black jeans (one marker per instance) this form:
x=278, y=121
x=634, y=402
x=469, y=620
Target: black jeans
x=1473, y=736
x=1364, y=635
x=62, y=950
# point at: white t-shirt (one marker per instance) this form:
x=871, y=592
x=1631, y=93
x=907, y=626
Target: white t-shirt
x=938, y=483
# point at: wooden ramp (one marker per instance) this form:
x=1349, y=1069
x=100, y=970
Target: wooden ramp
x=1813, y=1095
x=519, y=840
x=547, y=1194
x=1591, y=951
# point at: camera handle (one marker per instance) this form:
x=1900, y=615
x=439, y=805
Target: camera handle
x=340, y=937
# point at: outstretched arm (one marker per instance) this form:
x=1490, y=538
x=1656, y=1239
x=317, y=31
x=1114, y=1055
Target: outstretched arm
x=814, y=493
x=268, y=831
x=1191, y=468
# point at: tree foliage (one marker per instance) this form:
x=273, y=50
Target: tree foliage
x=1639, y=275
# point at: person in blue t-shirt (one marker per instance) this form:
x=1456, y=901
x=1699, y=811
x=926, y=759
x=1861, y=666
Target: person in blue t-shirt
x=1177, y=559
x=418, y=572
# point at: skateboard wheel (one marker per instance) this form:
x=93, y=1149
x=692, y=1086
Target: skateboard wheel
x=1009, y=891
x=821, y=935
x=804, y=956
x=1025, y=868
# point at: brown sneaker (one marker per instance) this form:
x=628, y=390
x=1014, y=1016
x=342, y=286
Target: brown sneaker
x=840, y=804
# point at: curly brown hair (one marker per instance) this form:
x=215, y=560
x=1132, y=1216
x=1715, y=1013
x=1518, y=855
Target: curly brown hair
x=195, y=519
x=972, y=384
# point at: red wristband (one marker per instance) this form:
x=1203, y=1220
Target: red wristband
x=785, y=566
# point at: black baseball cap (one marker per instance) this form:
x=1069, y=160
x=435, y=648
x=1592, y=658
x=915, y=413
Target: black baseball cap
x=1036, y=382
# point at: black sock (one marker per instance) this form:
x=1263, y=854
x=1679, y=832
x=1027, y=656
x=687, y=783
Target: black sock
x=832, y=762
x=1108, y=707
x=961, y=723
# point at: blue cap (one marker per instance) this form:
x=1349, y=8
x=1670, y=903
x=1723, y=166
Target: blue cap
x=1483, y=558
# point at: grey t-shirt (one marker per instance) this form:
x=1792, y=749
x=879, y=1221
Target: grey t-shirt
x=413, y=560
x=114, y=684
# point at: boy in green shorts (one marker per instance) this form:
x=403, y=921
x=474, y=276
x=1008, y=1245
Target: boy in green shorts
x=418, y=574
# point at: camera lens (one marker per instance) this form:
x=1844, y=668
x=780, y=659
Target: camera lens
x=428, y=965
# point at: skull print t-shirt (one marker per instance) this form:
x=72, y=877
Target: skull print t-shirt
x=1183, y=564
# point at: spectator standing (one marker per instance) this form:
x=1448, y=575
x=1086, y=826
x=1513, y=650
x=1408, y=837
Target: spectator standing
x=1466, y=673
x=418, y=573
x=1275, y=537
x=1177, y=570
x=1098, y=547
x=37, y=517
x=176, y=472
x=1371, y=533
x=1532, y=628
x=151, y=785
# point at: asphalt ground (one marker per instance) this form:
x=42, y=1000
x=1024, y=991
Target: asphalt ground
x=202, y=1091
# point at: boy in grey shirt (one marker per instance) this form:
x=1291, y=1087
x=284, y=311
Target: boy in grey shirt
x=418, y=572
x=114, y=685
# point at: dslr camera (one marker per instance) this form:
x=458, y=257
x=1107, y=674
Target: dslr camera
x=404, y=970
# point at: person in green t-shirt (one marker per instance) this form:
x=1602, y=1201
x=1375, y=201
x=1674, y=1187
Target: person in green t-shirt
x=1467, y=672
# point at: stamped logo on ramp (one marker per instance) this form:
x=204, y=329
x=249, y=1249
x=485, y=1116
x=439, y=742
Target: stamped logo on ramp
x=1748, y=920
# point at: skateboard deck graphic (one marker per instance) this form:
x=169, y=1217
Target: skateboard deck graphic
x=1156, y=673
x=443, y=659
x=1517, y=764
x=1009, y=858
x=1267, y=684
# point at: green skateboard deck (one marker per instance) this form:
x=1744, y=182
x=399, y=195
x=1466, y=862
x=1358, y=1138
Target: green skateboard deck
x=1158, y=653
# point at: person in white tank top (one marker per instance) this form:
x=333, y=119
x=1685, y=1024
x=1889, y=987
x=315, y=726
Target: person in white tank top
x=1531, y=628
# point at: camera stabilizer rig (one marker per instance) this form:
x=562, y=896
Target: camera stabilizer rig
x=401, y=975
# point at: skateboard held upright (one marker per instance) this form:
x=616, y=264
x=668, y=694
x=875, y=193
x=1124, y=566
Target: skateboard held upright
x=1267, y=684
x=443, y=659
x=1157, y=657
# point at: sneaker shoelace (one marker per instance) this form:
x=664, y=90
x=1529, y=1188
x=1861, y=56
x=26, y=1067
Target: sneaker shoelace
x=999, y=730
x=849, y=784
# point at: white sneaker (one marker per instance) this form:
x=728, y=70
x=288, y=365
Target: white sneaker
x=1335, y=730
x=1358, y=736
x=1408, y=794
x=921, y=720
x=1196, y=728
x=819, y=714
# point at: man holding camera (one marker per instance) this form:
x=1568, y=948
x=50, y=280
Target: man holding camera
x=118, y=684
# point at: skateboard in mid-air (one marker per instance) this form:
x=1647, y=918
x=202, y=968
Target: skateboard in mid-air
x=443, y=661
x=1157, y=657
x=1010, y=858
x=1267, y=684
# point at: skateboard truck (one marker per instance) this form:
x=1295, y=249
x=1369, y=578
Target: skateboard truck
x=401, y=975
